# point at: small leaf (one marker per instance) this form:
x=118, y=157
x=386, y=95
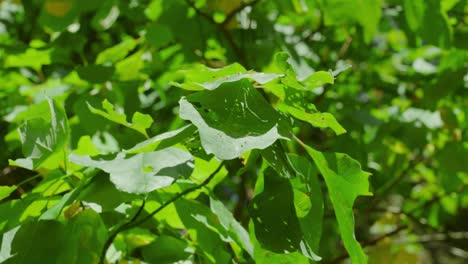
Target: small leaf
x=117, y=52
x=5, y=191
x=296, y=105
x=319, y=78
x=322, y=120
x=140, y=122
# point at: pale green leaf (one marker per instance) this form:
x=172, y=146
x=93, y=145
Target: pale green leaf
x=143, y=172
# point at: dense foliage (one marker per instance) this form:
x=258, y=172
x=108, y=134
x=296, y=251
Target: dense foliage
x=233, y=131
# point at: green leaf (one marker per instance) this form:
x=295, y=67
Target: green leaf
x=143, y=172
x=54, y=211
x=117, y=52
x=41, y=138
x=5, y=191
x=345, y=182
x=33, y=58
x=319, y=78
x=322, y=120
x=37, y=242
x=85, y=235
x=158, y=34
x=427, y=19
x=295, y=105
x=233, y=228
x=163, y=140
x=140, y=122
x=131, y=68
x=308, y=200
x=166, y=249
x=102, y=191
x=208, y=243
x=48, y=241
x=365, y=12
x=95, y=73
x=276, y=157
x=242, y=121
x=272, y=210
x=210, y=79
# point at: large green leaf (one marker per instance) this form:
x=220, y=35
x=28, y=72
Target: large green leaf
x=276, y=223
x=308, y=200
x=42, y=138
x=48, y=241
x=345, y=181
x=242, y=121
x=143, y=172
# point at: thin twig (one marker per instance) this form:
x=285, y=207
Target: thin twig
x=200, y=12
x=119, y=229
